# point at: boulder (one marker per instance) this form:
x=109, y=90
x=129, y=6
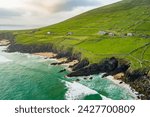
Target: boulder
x=85, y=78
x=77, y=80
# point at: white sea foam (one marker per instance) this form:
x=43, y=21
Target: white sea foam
x=3, y=48
x=77, y=91
x=4, y=59
x=124, y=85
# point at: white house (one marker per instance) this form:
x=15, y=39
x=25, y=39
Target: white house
x=48, y=33
x=130, y=34
x=111, y=34
x=102, y=33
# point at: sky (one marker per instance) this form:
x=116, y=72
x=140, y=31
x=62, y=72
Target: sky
x=37, y=13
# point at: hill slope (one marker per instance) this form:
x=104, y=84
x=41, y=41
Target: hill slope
x=130, y=17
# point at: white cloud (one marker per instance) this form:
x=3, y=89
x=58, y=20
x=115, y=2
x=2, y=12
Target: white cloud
x=44, y=12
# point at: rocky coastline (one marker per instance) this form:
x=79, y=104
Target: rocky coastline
x=4, y=42
x=120, y=69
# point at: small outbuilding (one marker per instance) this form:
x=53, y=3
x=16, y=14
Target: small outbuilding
x=102, y=33
x=111, y=34
x=130, y=34
x=69, y=33
x=48, y=33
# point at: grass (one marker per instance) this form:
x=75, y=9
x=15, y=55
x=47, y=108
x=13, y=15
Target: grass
x=127, y=16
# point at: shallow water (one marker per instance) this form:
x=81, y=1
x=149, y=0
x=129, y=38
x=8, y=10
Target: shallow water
x=30, y=77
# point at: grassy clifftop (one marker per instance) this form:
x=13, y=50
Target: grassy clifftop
x=126, y=17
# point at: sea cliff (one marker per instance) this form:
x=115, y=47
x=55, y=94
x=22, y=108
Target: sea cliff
x=137, y=79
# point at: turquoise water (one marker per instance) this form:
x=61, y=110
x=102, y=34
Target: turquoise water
x=29, y=77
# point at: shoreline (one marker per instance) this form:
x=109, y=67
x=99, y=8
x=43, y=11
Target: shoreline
x=46, y=54
x=62, y=61
x=111, y=66
x=4, y=42
x=121, y=83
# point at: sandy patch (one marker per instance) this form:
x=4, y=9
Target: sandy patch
x=4, y=42
x=72, y=63
x=46, y=54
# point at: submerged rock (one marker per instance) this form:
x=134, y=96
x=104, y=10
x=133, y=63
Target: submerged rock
x=85, y=78
x=77, y=80
x=54, y=63
x=62, y=70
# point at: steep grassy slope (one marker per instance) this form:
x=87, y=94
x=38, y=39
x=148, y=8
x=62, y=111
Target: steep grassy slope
x=127, y=16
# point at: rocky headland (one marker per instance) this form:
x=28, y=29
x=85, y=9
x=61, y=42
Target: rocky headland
x=118, y=68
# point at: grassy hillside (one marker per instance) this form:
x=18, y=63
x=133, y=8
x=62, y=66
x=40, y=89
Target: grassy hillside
x=127, y=16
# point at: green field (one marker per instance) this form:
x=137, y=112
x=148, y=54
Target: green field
x=127, y=16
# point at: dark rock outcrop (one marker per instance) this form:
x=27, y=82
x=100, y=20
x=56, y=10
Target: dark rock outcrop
x=120, y=69
x=81, y=64
x=62, y=54
x=137, y=74
x=140, y=81
x=62, y=70
x=107, y=65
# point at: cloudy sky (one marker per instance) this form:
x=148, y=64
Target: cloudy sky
x=32, y=13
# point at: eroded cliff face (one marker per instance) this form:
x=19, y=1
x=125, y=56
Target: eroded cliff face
x=6, y=39
x=138, y=80
x=7, y=35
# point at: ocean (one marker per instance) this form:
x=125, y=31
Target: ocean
x=30, y=77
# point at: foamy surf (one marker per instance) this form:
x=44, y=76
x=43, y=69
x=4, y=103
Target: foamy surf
x=77, y=91
x=4, y=59
x=124, y=85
